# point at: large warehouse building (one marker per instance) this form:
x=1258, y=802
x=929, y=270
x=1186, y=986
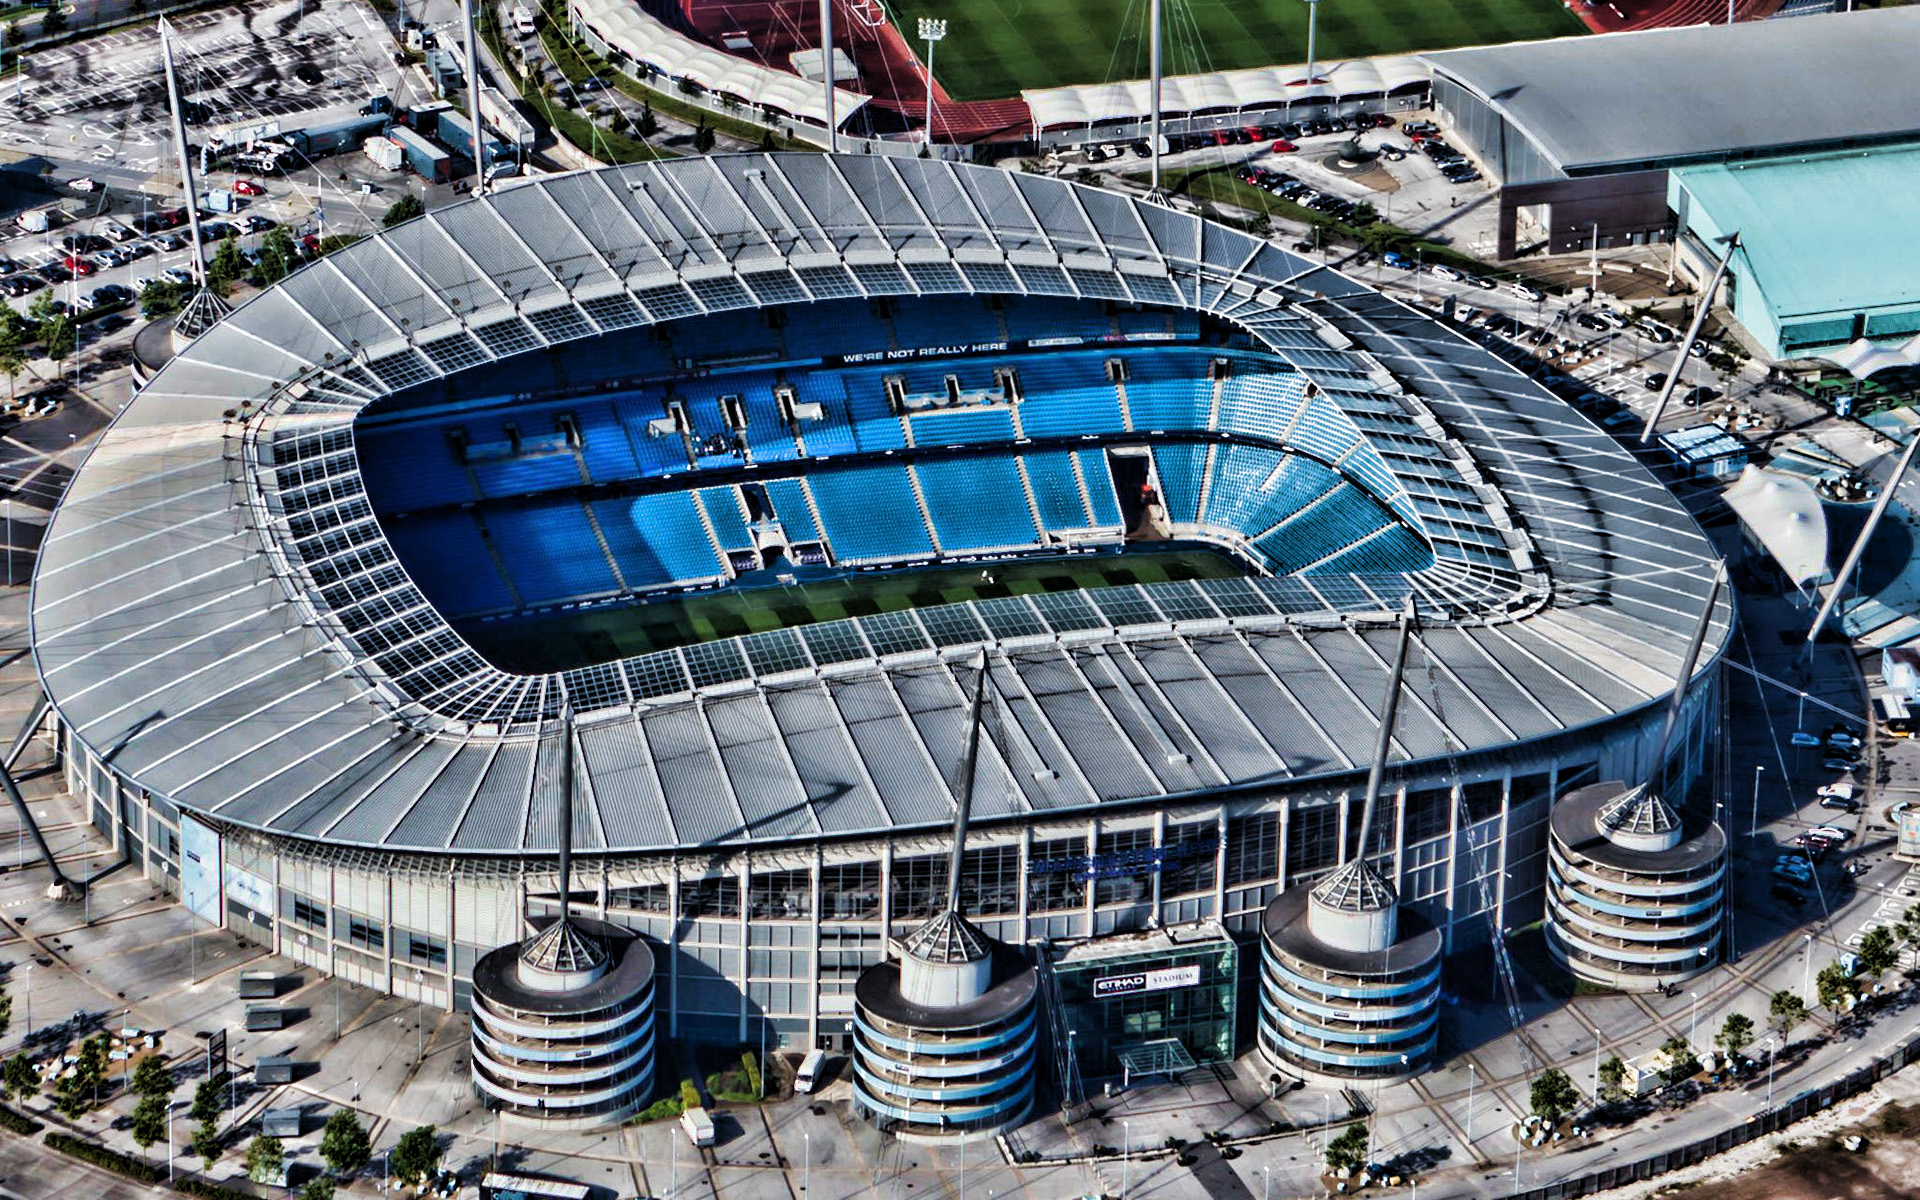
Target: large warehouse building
x=1580, y=133
x=256, y=612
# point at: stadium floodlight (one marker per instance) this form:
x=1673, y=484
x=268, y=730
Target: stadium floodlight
x=931, y=31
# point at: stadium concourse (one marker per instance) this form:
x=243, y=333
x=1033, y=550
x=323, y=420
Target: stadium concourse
x=709, y=373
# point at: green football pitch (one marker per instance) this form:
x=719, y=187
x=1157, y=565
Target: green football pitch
x=994, y=48
x=580, y=637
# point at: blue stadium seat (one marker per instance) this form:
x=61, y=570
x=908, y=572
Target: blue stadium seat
x=767, y=434
x=1055, y=489
x=729, y=521
x=1346, y=515
x=655, y=455
x=604, y=444
x=1261, y=404
x=1397, y=550
x=954, y=426
x=831, y=434
x=502, y=477
x=1093, y=468
x=1237, y=486
x=1171, y=404
x=1181, y=469
x=976, y=503
x=870, y=514
x=1063, y=395
x=445, y=554
x=658, y=540
x=408, y=467
x=550, y=550
x=790, y=506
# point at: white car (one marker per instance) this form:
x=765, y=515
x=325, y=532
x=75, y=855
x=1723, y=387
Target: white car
x=179, y=275
x=83, y=184
x=1526, y=291
x=1842, y=790
x=143, y=283
x=1831, y=833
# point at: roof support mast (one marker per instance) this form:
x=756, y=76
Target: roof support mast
x=963, y=811
x=1687, y=662
x=1685, y=348
x=1154, y=68
x=479, y=127
x=203, y=309
x=1860, y=543
x=1390, y=710
x=826, y=72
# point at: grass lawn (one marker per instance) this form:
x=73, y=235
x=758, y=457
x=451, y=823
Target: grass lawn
x=996, y=47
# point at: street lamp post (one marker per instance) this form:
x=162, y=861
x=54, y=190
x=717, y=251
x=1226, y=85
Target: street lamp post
x=1596, y=1067
x=1769, y=1075
x=1470, y=1080
x=806, y=1162
x=1126, y=1158
x=1693, y=1018
x=1806, y=969
x=931, y=31
x=1753, y=822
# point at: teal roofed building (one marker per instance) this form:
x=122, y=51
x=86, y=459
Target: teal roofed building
x=1827, y=254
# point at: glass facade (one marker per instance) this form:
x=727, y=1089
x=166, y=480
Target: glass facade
x=1114, y=1001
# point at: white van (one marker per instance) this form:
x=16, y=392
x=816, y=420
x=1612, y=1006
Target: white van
x=811, y=1068
x=522, y=18
x=697, y=1124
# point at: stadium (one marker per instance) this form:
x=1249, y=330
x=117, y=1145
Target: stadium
x=746, y=464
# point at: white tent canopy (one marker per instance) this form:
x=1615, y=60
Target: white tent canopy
x=623, y=26
x=1223, y=90
x=1785, y=515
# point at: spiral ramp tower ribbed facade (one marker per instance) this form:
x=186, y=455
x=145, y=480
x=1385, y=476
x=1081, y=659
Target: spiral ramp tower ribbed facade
x=1635, y=893
x=1349, y=985
x=563, y=1024
x=945, y=1036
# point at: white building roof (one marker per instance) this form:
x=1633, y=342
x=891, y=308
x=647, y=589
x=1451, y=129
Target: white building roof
x=1228, y=91
x=630, y=29
x=1786, y=515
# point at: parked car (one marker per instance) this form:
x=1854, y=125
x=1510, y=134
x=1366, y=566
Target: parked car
x=1393, y=258
x=1842, y=803
x=1443, y=271
x=1482, y=282
x=255, y=223
x=1526, y=291
x=1655, y=381
x=1391, y=152
x=1696, y=396
x=1831, y=832
x=1283, y=146
x=178, y=275
x=247, y=187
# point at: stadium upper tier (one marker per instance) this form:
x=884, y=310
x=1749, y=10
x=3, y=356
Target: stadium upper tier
x=219, y=614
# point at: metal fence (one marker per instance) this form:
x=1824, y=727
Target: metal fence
x=1799, y=1107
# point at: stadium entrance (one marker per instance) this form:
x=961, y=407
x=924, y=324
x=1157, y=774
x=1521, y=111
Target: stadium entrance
x=1128, y=996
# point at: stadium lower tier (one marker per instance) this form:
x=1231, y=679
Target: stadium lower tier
x=774, y=939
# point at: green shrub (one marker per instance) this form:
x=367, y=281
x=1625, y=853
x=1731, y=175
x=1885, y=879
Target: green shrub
x=100, y=1156
x=754, y=1083
x=660, y=1110
x=210, y=1191
x=689, y=1094
x=14, y=1122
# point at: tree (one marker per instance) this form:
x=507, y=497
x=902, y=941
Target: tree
x=206, y=1142
x=13, y=349
x=54, y=23
x=648, y=124
x=278, y=258
x=149, y=1121
x=161, y=298
x=1736, y=1034
x=1552, y=1095
x=1349, y=1150
x=52, y=325
x=1878, y=953
x=6, y=1014
x=317, y=1189
x=266, y=1159
x=206, y=1101
x=343, y=1143
x=151, y=1077
x=335, y=241
x=1834, y=984
x=14, y=36
x=416, y=1155
x=1681, y=1064
x=228, y=265
x=1785, y=1011
x=406, y=208
x=19, y=1077
x=702, y=137
x=1613, y=1078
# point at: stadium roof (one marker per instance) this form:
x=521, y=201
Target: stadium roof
x=1222, y=91
x=631, y=30
x=1659, y=97
x=183, y=628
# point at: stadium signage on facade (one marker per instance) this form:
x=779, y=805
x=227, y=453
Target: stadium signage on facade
x=1160, y=980
x=867, y=356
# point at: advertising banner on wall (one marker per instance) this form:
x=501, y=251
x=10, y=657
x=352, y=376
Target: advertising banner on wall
x=200, y=871
x=1161, y=980
x=254, y=891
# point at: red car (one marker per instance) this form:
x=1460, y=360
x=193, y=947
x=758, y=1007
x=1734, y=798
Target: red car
x=78, y=266
x=1283, y=146
x=247, y=187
